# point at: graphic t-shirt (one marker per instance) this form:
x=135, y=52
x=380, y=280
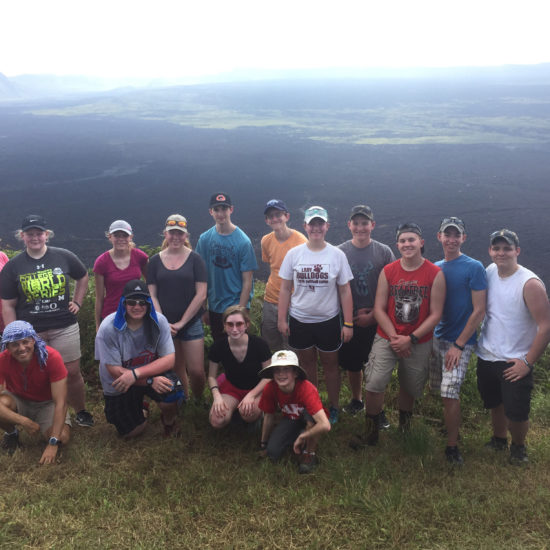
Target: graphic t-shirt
x=226, y=257
x=128, y=348
x=273, y=253
x=242, y=375
x=32, y=383
x=114, y=278
x=462, y=275
x=316, y=275
x=409, y=297
x=176, y=287
x=292, y=405
x=42, y=287
x=366, y=264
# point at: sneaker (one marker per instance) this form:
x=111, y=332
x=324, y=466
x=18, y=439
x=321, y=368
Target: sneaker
x=405, y=421
x=453, y=456
x=383, y=422
x=333, y=415
x=497, y=444
x=518, y=455
x=10, y=442
x=84, y=418
x=354, y=406
x=308, y=463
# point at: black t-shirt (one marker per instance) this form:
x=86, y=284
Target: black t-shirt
x=41, y=287
x=242, y=375
x=176, y=287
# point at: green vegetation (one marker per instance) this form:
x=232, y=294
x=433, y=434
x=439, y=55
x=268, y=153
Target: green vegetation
x=209, y=490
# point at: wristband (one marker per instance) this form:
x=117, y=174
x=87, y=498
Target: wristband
x=134, y=373
x=414, y=339
x=75, y=302
x=214, y=388
x=461, y=348
x=348, y=325
x=529, y=365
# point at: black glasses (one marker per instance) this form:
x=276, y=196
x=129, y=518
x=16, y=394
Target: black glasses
x=132, y=303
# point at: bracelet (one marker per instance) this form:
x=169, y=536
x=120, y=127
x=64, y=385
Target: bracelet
x=348, y=325
x=75, y=302
x=461, y=348
x=214, y=388
x=529, y=365
x=134, y=373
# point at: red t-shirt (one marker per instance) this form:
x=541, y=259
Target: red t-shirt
x=409, y=297
x=304, y=396
x=32, y=384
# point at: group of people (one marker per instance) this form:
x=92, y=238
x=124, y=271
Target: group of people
x=354, y=305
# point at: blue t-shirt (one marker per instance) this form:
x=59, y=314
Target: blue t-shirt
x=462, y=275
x=226, y=257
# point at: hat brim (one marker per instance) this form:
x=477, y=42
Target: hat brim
x=267, y=372
x=447, y=225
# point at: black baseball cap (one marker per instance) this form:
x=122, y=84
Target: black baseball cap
x=220, y=199
x=33, y=220
x=135, y=287
x=407, y=227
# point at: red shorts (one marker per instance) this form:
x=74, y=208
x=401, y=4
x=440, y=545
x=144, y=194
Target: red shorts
x=225, y=386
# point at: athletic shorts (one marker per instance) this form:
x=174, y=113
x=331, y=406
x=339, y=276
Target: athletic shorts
x=448, y=382
x=225, y=386
x=354, y=354
x=270, y=330
x=412, y=370
x=325, y=336
x=40, y=412
x=125, y=411
x=193, y=331
x=65, y=340
x=495, y=390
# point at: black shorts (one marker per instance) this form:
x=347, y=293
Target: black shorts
x=125, y=411
x=495, y=390
x=354, y=354
x=325, y=336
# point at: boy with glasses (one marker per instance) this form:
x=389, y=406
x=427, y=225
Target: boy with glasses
x=230, y=261
x=455, y=336
x=515, y=333
x=275, y=245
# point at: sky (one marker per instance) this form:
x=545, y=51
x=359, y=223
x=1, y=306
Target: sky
x=191, y=38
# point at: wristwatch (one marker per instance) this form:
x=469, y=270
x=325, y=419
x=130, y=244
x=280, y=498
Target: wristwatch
x=149, y=381
x=53, y=441
x=414, y=339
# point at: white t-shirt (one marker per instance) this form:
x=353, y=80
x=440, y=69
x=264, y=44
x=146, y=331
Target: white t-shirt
x=315, y=276
x=509, y=329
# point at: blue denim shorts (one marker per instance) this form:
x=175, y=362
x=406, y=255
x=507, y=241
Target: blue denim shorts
x=192, y=331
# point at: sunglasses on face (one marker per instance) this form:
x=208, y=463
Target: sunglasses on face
x=132, y=303
x=173, y=223
x=236, y=324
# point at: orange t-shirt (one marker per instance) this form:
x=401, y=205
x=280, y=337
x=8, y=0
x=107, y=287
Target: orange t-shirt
x=273, y=253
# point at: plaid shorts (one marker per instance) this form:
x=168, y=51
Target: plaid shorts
x=448, y=382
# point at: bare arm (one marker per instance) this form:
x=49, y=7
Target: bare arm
x=8, y=310
x=437, y=301
x=381, y=306
x=284, y=303
x=346, y=302
x=247, y=287
x=126, y=379
x=196, y=303
x=321, y=426
x=247, y=403
x=80, y=289
x=99, y=298
x=59, y=398
x=219, y=407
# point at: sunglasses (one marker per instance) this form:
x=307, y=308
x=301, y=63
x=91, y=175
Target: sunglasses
x=237, y=324
x=173, y=223
x=132, y=303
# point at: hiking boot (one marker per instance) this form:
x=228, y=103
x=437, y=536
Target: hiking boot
x=453, y=456
x=383, y=422
x=333, y=415
x=370, y=437
x=405, y=421
x=497, y=444
x=518, y=455
x=354, y=406
x=84, y=418
x=10, y=442
x=308, y=463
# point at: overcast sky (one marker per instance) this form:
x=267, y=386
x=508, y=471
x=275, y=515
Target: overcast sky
x=162, y=38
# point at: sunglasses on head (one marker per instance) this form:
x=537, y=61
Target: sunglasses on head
x=236, y=324
x=132, y=302
x=173, y=223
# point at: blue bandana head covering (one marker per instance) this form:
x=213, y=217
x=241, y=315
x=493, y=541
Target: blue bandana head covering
x=18, y=330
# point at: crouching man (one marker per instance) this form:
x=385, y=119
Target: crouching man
x=304, y=418
x=33, y=390
x=135, y=352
